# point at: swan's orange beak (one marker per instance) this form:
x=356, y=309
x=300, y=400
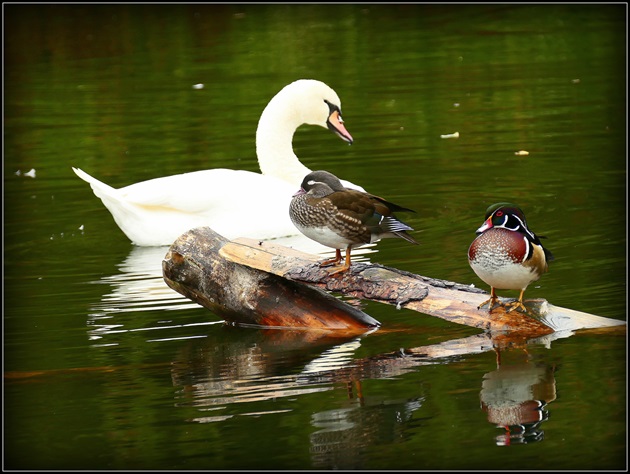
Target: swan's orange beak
x=335, y=124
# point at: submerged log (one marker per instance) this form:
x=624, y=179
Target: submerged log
x=237, y=275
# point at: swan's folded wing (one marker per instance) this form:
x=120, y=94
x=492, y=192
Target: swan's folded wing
x=200, y=191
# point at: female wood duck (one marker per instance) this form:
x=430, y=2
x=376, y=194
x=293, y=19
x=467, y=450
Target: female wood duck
x=506, y=254
x=341, y=218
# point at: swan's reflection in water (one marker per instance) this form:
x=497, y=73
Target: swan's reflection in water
x=140, y=286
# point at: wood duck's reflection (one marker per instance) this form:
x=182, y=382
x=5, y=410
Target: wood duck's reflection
x=515, y=398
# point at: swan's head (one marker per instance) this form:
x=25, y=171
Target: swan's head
x=307, y=101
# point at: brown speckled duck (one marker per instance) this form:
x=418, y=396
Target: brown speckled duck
x=341, y=218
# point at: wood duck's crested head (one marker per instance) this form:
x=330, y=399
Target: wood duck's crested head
x=505, y=215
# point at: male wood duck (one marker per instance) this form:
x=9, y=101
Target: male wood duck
x=341, y=218
x=506, y=254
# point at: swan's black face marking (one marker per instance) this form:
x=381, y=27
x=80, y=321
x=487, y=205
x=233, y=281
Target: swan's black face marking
x=332, y=107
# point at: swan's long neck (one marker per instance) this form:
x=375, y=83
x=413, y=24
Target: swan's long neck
x=274, y=141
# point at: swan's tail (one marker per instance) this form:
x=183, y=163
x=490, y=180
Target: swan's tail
x=124, y=214
x=144, y=223
x=101, y=189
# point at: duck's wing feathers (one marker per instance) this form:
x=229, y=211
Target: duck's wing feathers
x=371, y=215
x=381, y=203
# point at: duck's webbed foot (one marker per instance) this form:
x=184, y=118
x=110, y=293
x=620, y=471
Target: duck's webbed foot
x=493, y=302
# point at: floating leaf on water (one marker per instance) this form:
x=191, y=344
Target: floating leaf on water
x=30, y=174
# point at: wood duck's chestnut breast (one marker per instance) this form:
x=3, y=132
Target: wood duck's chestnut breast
x=497, y=247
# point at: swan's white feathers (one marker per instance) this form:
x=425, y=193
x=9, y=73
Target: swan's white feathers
x=235, y=203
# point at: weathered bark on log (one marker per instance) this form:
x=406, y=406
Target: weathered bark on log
x=239, y=294
x=444, y=299
x=203, y=266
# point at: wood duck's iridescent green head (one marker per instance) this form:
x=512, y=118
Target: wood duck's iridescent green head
x=505, y=215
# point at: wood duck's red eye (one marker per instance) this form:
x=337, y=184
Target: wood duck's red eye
x=499, y=213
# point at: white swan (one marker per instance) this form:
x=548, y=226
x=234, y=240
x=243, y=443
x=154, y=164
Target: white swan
x=235, y=203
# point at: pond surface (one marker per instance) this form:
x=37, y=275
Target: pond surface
x=107, y=368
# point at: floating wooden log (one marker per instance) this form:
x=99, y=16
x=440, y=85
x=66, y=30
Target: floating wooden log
x=195, y=268
x=252, y=282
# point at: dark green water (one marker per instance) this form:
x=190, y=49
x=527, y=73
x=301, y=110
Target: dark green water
x=106, y=368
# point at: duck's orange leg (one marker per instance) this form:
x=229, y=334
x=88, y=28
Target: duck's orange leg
x=517, y=304
x=345, y=266
x=332, y=261
x=492, y=301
